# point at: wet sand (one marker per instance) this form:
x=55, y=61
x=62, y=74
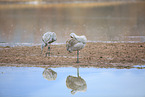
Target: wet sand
x=102, y=55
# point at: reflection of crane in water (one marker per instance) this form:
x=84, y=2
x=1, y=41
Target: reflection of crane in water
x=49, y=74
x=76, y=43
x=47, y=39
x=76, y=83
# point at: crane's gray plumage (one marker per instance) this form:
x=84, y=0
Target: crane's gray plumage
x=76, y=83
x=49, y=74
x=47, y=39
x=76, y=43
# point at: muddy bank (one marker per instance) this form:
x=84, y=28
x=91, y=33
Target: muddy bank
x=93, y=55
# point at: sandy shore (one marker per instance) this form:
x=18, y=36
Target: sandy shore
x=93, y=55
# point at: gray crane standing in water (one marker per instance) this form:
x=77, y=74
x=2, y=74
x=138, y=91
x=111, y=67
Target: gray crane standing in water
x=47, y=39
x=76, y=43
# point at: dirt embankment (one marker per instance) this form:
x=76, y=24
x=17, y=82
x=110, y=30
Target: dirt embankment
x=94, y=54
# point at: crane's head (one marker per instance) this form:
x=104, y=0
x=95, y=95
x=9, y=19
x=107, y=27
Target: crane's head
x=73, y=35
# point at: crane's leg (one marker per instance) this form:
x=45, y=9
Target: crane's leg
x=42, y=49
x=42, y=46
x=77, y=57
x=48, y=50
x=78, y=72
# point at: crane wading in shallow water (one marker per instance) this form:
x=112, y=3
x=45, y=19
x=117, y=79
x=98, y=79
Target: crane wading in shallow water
x=47, y=39
x=76, y=43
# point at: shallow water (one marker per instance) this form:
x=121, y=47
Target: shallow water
x=114, y=23
x=93, y=82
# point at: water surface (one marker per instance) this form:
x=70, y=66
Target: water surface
x=31, y=82
x=115, y=23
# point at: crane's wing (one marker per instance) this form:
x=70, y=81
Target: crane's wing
x=70, y=44
x=46, y=37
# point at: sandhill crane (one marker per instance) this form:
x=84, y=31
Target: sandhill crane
x=76, y=43
x=77, y=84
x=47, y=39
x=49, y=74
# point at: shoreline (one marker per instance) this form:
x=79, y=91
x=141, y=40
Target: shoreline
x=5, y=44
x=99, y=55
x=54, y=5
x=123, y=66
